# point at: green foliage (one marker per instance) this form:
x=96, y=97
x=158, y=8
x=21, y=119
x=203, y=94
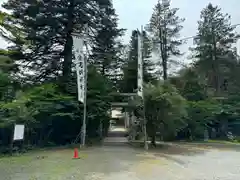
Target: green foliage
x=165, y=110
x=7, y=86
x=106, y=49
x=4, y=83
x=215, y=58
x=165, y=27
x=129, y=81
x=201, y=114
x=45, y=28
x=189, y=85
x=44, y=99
x=45, y=110
x=98, y=101
x=6, y=64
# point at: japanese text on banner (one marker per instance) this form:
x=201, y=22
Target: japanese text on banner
x=80, y=66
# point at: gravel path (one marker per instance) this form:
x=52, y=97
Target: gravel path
x=124, y=162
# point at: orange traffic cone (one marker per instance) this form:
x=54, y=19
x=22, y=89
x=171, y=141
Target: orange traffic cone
x=75, y=156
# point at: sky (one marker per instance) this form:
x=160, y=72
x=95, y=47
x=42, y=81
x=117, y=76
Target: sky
x=135, y=13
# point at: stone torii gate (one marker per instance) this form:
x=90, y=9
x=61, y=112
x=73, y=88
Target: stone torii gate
x=127, y=115
x=130, y=119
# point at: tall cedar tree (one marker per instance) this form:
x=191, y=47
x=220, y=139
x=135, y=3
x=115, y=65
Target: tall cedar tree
x=214, y=47
x=129, y=82
x=107, y=47
x=45, y=28
x=164, y=28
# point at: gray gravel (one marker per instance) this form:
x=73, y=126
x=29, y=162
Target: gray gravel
x=124, y=162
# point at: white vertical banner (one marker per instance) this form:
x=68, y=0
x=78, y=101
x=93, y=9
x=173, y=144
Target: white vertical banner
x=140, y=66
x=238, y=47
x=80, y=62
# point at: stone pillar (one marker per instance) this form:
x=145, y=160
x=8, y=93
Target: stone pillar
x=126, y=117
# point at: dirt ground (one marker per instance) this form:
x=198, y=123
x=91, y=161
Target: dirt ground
x=124, y=162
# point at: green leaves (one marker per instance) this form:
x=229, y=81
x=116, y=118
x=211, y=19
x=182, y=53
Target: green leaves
x=129, y=80
x=164, y=28
x=44, y=99
x=216, y=60
x=165, y=108
x=42, y=30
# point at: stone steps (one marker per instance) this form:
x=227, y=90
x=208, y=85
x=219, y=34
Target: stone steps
x=115, y=141
x=116, y=137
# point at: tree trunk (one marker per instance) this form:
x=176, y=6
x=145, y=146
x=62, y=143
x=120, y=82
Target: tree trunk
x=163, y=50
x=68, y=45
x=153, y=140
x=11, y=141
x=164, y=69
x=215, y=63
x=152, y=133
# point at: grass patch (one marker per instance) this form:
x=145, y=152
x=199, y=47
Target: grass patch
x=224, y=142
x=48, y=164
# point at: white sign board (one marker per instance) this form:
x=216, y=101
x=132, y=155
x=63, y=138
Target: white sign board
x=18, y=132
x=238, y=47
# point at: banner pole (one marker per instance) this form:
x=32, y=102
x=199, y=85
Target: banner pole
x=84, y=103
x=140, y=83
x=85, y=91
x=144, y=110
x=81, y=69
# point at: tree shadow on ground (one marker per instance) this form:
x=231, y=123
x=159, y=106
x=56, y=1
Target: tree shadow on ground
x=178, y=150
x=174, y=149
x=172, y=152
